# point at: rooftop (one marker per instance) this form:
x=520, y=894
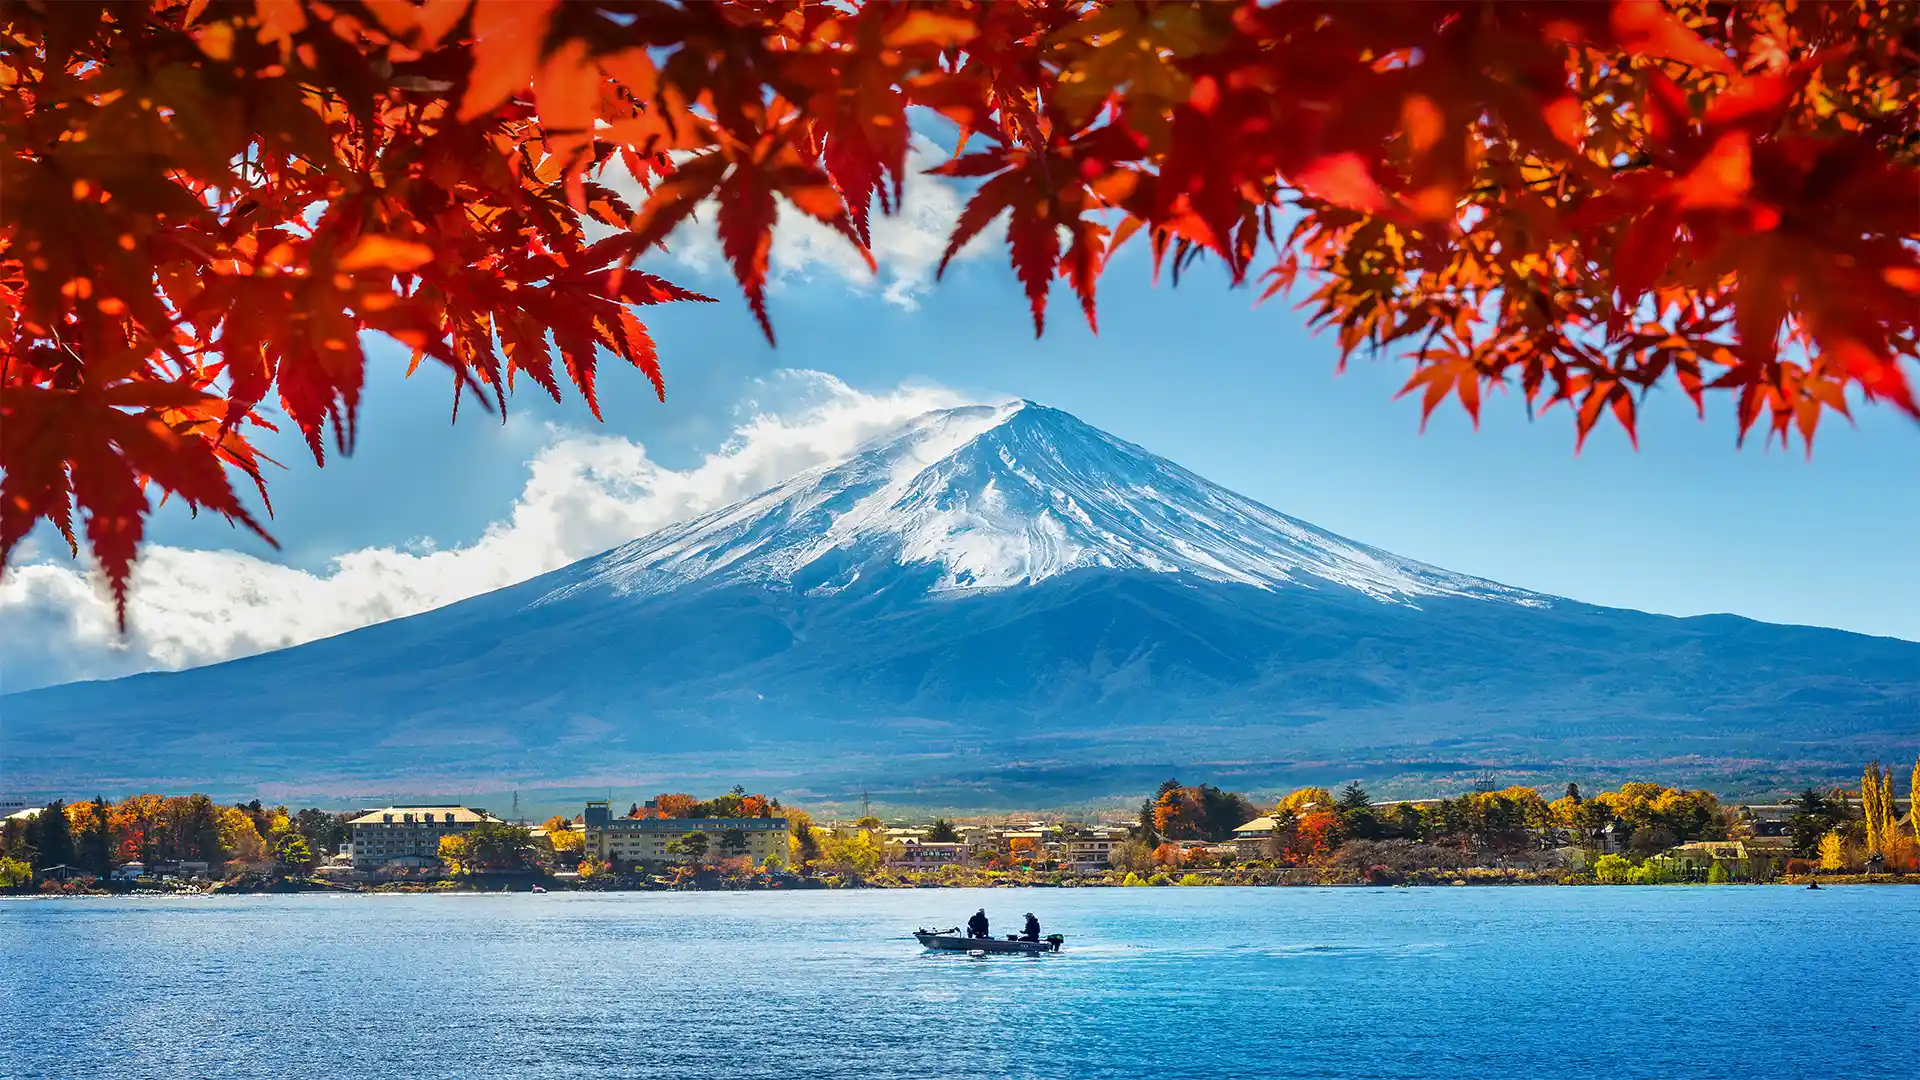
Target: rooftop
x=462, y=815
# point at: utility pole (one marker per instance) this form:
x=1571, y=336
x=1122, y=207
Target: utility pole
x=866, y=804
x=517, y=819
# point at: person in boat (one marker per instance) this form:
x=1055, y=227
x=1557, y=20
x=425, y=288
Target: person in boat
x=1032, y=932
x=977, y=926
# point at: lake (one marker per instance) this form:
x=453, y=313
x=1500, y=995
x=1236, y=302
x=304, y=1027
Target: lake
x=1153, y=983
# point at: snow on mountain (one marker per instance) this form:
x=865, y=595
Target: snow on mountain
x=999, y=496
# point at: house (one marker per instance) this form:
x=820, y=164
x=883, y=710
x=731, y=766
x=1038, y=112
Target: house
x=1029, y=844
x=916, y=854
x=1250, y=840
x=981, y=840
x=339, y=866
x=1092, y=850
x=1695, y=860
x=391, y=833
x=646, y=839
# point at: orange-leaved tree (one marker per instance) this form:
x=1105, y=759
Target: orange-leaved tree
x=206, y=203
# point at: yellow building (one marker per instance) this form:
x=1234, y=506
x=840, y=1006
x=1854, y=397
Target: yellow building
x=645, y=839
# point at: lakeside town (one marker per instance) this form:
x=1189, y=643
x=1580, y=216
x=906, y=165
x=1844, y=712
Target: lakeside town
x=1642, y=834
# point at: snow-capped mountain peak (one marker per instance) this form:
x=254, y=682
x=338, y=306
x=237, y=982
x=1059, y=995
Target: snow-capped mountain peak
x=998, y=496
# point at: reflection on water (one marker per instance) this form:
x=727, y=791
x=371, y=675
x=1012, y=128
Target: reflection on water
x=1162, y=983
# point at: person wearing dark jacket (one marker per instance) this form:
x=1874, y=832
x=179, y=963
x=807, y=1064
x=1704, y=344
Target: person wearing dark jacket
x=977, y=926
x=1032, y=932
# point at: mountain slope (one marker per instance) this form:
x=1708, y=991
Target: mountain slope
x=1001, y=496
x=996, y=603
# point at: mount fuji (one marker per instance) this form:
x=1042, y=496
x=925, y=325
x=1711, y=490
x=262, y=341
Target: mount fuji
x=990, y=605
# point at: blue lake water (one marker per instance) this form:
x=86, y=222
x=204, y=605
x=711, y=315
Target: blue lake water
x=1153, y=983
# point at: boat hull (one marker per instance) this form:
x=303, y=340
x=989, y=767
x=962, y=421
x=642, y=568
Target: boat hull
x=954, y=943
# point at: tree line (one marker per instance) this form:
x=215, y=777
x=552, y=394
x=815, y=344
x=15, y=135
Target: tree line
x=1840, y=829
x=95, y=837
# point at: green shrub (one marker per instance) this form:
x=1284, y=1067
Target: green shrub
x=1613, y=870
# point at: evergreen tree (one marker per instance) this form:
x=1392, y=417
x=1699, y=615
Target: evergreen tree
x=1146, y=809
x=1224, y=811
x=1813, y=816
x=942, y=832
x=496, y=846
x=691, y=847
x=1573, y=793
x=96, y=842
x=324, y=832
x=1353, y=797
x=53, y=836
x=198, y=829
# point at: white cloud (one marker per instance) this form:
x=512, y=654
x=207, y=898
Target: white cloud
x=907, y=244
x=584, y=494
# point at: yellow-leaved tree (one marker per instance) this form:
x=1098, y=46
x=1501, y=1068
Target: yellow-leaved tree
x=1833, y=851
x=1913, y=801
x=456, y=853
x=240, y=839
x=1876, y=804
x=856, y=855
x=1305, y=797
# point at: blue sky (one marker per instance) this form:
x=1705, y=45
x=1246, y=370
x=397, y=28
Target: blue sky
x=1688, y=524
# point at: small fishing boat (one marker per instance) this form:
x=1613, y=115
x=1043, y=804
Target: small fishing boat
x=952, y=940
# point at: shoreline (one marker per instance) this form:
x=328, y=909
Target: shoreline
x=555, y=888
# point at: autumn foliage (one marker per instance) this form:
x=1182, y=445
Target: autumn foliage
x=1201, y=812
x=738, y=803
x=205, y=205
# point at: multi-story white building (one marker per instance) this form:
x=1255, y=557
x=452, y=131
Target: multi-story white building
x=645, y=839
x=1092, y=850
x=409, y=832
